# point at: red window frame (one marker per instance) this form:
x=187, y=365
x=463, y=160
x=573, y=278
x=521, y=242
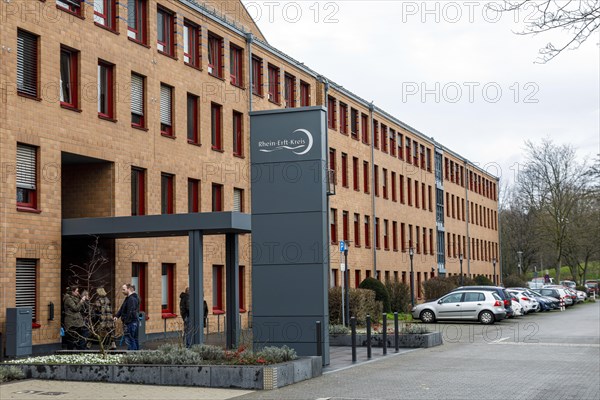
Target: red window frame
x=289, y=90
x=376, y=134
x=407, y=151
x=377, y=241
x=423, y=198
x=343, y=118
x=257, y=76
x=28, y=195
x=331, y=112
x=274, y=80
x=215, y=55
x=238, y=137
x=70, y=6
x=216, y=126
x=345, y=226
x=333, y=225
x=364, y=127
x=218, y=286
x=193, y=195
x=167, y=183
x=193, y=123
x=415, y=153
x=393, y=180
x=165, y=23
x=27, y=64
x=168, y=271
x=217, y=197
x=304, y=94
x=332, y=161
x=401, y=186
x=410, y=236
x=431, y=248
x=392, y=142
x=394, y=235
x=386, y=235
x=354, y=123
x=137, y=22
x=409, y=190
x=428, y=159
x=108, y=18
x=400, y=146
x=367, y=227
x=235, y=65
x=137, y=120
x=165, y=128
x=376, y=180
x=345, y=170
x=357, y=278
x=138, y=270
x=366, y=176
x=356, y=230
x=403, y=237
x=430, y=201
x=424, y=231
x=138, y=191
x=417, y=205
x=72, y=85
x=384, y=172
x=191, y=55
x=355, y=182
x=106, y=85
x=384, y=138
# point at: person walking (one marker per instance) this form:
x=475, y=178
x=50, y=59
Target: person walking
x=129, y=316
x=74, y=326
x=184, y=310
x=103, y=319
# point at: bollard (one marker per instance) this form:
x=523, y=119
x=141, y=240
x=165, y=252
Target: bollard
x=384, y=334
x=353, y=330
x=319, y=339
x=396, y=338
x=368, y=337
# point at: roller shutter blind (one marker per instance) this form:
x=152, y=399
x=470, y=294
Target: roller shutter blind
x=27, y=63
x=26, y=284
x=165, y=105
x=137, y=95
x=26, y=167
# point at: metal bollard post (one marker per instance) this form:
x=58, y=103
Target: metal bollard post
x=353, y=336
x=319, y=339
x=368, y=337
x=396, y=338
x=384, y=334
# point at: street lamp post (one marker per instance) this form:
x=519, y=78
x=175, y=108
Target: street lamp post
x=494, y=264
x=411, y=253
x=520, y=253
x=460, y=259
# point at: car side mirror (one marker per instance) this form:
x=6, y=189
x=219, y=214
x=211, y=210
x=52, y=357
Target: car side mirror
x=439, y=302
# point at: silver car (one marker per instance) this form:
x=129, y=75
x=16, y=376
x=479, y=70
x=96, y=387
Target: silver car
x=481, y=305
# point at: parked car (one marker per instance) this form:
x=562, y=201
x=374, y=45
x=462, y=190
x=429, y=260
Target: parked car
x=516, y=307
x=581, y=296
x=529, y=303
x=546, y=303
x=558, y=293
x=569, y=284
x=478, y=305
x=500, y=291
x=592, y=286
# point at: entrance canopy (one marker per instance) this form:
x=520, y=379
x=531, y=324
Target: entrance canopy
x=195, y=226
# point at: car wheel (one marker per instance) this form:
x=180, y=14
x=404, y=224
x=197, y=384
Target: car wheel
x=486, y=318
x=427, y=316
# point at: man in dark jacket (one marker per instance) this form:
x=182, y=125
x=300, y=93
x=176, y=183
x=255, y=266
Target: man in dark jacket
x=184, y=310
x=129, y=316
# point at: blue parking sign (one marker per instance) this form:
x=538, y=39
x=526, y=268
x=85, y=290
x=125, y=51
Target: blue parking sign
x=342, y=246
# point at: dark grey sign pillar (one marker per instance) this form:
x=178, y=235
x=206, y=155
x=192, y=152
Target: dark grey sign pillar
x=232, y=290
x=289, y=229
x=196, y=317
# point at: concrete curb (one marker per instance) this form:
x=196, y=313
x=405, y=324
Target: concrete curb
x=424, y=340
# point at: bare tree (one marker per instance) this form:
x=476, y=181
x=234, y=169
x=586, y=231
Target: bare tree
x=551, y=184
x=579, y=18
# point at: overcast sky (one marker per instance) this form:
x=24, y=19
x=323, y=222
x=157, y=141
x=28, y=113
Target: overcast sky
x=453, y=70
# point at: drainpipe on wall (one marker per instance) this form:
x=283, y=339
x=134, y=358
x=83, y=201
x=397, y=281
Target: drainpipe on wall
x=465, y=176
x=325, y=82
x=374, y=238
x=500, y=280
x=249, y=39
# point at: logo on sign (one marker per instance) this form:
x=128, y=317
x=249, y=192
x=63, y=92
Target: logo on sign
x=299, y=145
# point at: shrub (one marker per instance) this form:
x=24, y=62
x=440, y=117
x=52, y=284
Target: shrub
x=338, y=330
x=466, y=280
x=435, y=288
x=381, y=293
x=335, y=306
x=362, y=302
x=414, y=329
x=275, y=355
x=581, y=288
x=483, y=280
x=10, y=373
x=399, y=296
x=209, y=352
x=514, y=281
x=167, y=354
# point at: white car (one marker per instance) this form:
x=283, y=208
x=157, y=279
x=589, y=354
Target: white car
x=528, y=303
x=517, y=308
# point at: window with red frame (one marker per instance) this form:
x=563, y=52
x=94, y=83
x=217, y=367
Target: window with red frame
x=343, y=118
x=430, y=200
x=394, y=235
x=257, y=76
x=138, y=191
x=376, y=134
x=193, y=123
x=216, y=126
x=422, y=156
x=393, y=181
x=431, y=249
x=385, y=186
x=289, y=91
x=331, y=112
x=105, y=13
x=235, y=65
x=167, y=188
x=345, y=170
x=408, y=157
x=376, y=180
x=191, y=44
x=357, y=278
x=364, y=126
x=165, y=30
x=217, y=197
x=356, y=230
x=392, y=142
x=168, y=288
x=366, y=176
x=410, y=236
x=386, y=235
x=238, y=137
x=409, y=190
x=428, y=159
x=72, y=6
x=218, y=286
x=400, y=148
x=137, y=20
x=166, y=110
x=332, y=162
x=354, y=123
x=401, y=186
x=242, y=287
x=69, y=75
x=26, y=283
x=423, y=198
x=384, y=138
x=402, y=236
x=138, y=99
x=417, y=194
x=193, y=195
x=367, y=231
x=215, y=55
x=355, y=182
x=273, y=84
x=138, y=279
x=377, y=242
x=424, y=241
x=333, y=225
x=238, y=200
x=105, y=89
x=345, y=226
x=27, y=63
x=304, y=94
x=415, y=153
x=26, y=176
